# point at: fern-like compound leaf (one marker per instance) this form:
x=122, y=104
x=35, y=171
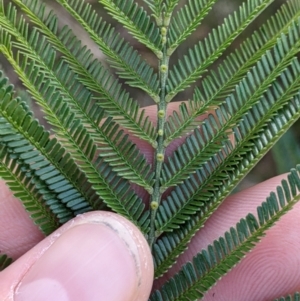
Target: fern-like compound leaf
x=216, y=86
x=5, y=261
x=186, y=20
x=198, y=59
x=136, y=20
x=237, y=113
x=208, y=266
x=91, y=73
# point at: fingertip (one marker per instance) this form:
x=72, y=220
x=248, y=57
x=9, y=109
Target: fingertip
x=98, y=255
x=24, y=234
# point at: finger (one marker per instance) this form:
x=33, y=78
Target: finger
x=96, y=256
x=272, y=269
x=18, y=233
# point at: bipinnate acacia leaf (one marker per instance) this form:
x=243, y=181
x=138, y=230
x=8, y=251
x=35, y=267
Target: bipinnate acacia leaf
x=246, y=102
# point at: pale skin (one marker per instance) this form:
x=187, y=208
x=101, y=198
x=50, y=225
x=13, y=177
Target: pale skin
x=117, y=263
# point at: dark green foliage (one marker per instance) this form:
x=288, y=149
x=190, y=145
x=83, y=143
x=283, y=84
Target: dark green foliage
x=246, y=101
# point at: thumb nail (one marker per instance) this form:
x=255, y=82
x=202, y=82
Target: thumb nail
x=92, y=261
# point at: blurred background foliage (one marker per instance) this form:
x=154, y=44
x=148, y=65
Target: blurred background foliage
x=284, y=155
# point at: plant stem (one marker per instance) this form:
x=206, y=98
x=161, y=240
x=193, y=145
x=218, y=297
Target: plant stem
x=160, y=150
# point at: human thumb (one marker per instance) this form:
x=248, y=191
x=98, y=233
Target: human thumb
x=96, y=256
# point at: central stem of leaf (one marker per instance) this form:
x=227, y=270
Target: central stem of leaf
x=161, y=120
